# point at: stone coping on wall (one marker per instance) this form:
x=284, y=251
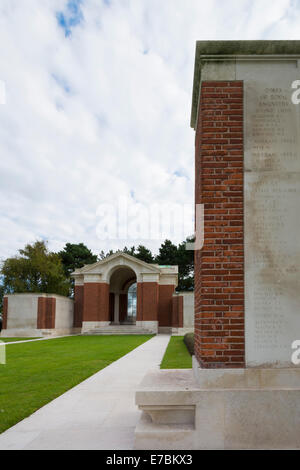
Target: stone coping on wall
x=231, y=50
x=38, y=294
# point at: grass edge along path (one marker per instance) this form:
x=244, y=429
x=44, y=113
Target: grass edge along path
x=12, y=340
x=37, y=372
x=177, y=355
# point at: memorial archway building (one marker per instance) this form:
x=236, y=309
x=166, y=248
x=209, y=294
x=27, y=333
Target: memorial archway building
x=123, y=291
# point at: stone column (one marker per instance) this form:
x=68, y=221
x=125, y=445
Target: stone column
x=246, y=113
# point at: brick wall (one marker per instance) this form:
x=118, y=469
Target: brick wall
x=50, y=313
x=46, y=313
x=4, y=317
x=177, y=311
x=78, y=306
x=41, y=313
x=96, y=302
x=219, y=266
x=147, y=301
x=165, y=304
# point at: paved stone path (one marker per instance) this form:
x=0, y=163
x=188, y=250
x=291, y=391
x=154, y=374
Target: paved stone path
x=99, y=413
x=35, y=339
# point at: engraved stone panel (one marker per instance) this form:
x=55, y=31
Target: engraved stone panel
x=272, y=212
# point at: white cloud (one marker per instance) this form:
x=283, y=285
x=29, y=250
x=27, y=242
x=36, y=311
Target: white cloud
x=104, y=112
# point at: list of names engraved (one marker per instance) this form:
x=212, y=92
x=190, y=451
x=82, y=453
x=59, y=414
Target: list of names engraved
x=272, y=222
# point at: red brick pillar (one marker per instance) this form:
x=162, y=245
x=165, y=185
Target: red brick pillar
x=78, y=306
x=96, y=302
x=139, y=302
x=5, y=310
x=177, y=311
x=219, y=266
x=165, y=304
x=147, y=301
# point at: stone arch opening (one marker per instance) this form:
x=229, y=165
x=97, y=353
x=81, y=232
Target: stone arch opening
x=123, y=296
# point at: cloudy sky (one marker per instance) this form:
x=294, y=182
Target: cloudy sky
x=97, y=108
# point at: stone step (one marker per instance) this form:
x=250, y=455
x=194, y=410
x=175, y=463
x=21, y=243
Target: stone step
x=118, y=331
x=154, y=436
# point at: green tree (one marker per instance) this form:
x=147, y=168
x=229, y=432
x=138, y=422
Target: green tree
x=144, y=254
x=167, y=254
x=129, y=251
x=35, y=270
x=75, y=256
x=185, y=261
x=103, y=255
x=170, y=254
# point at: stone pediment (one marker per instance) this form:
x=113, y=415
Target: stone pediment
x=144, y=272
x=118, y=259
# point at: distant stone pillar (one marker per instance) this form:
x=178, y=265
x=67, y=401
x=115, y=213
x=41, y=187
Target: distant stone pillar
x=219, y=266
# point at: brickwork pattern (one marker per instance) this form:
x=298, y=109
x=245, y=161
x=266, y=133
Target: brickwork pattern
x=96, y=302
x=177, y=311
x=147, y=301
x=78, y=306
x=46, y=313
x=165, y=304
x=219, y=266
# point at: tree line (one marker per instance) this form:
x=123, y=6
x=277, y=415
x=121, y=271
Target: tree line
x=36, y=269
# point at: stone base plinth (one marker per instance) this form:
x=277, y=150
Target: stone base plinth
x=107, y=328
x=182, y=331
x=245, y=409
x=89, y=326
x=151, y=326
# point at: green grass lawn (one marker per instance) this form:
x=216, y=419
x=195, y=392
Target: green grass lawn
x=38, y=372
x=177, y=355
x=11, y=340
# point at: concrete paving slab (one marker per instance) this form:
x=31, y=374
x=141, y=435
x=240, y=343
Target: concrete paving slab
x=99, y=413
